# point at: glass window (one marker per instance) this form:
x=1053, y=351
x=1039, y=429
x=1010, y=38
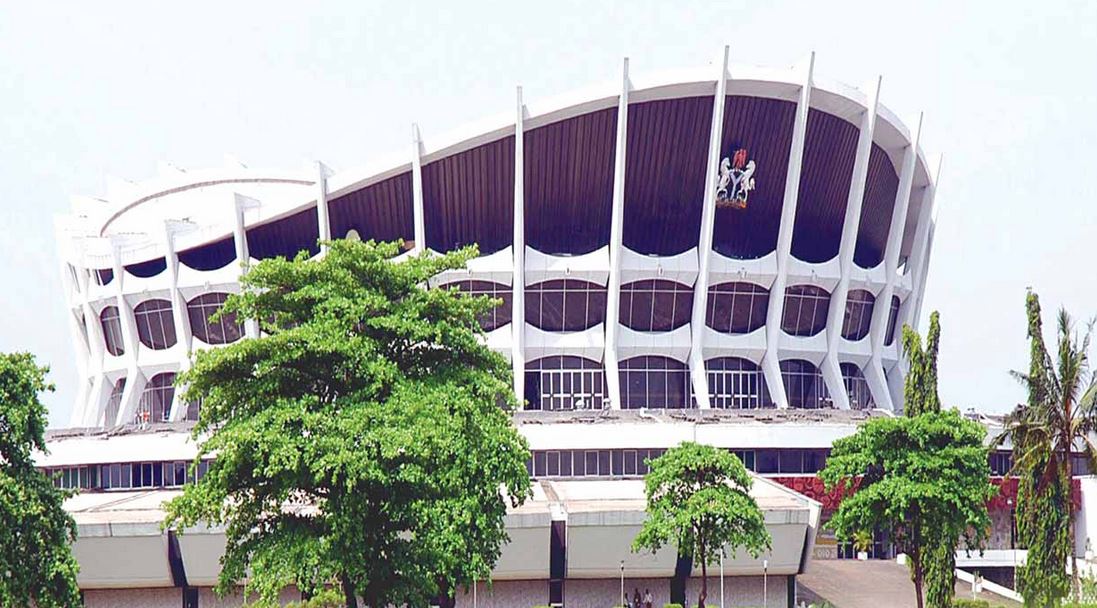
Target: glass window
x=110, y=418
x=805, y=310
x=223, y=331
x=565, y=305
x=736, y=308
x=790, y=461
x=860, y=397
x=768, y=461
x=655, y=382
x=655, y=305
x=155, y=404
x=858, y=317
x=735, y=383
x=111, y=323
x=591, y=458
x=539, y=468
x=155, y=326
x=565, y=383
x=804, y=385
x=893, y=318
x=497, y=316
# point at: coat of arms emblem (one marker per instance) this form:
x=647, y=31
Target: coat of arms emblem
x=735, y=181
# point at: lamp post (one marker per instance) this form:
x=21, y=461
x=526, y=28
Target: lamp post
x=765, y=583
x=721, y=579
x=622, y=583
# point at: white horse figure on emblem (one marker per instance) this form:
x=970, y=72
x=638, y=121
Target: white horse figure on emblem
x=724, y=179
x=746, y=181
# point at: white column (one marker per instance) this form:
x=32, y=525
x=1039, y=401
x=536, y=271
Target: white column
x=836, y=314
x=518, y=249
x=241, y=204
x=697, y=375
x=771, y=361
x=179, y=314
x=877, y=382
x=323, y=218
x=616, y=235
x=129, y=340
x=417, y=190
x=919, y=255
x=75, y=289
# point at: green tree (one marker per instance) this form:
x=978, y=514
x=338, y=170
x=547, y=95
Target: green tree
x=920, y=478
x=698, y=497
x=1058, y=418
x=364, y=440
x=35, y=531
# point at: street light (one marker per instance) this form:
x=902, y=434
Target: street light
x=721, y=578
x=622, y=583
x=765, y=583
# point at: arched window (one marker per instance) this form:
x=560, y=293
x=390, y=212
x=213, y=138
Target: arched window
x=858, y=317
x=112, y=330
x=655, y=382
x=565, y=383
x=110, y=418
x=200, y=309
x=496, y=317
x=737, y=308
x=655, y=305
x=805, y=310
x=155, y=327
x=804, y=385
x=735, y=383
x=155, y=403
x=893, y=318
x=193, y=408
x=565, y=305
x=860, y=397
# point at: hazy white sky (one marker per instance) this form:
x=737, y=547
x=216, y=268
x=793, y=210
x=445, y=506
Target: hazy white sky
x=91, y=89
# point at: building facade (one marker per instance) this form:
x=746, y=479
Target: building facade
x=725, y=254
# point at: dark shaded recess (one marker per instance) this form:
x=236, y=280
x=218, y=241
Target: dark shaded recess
x=147, y=269
x=764, y=128
x=558, y=561
x=381, y=212
x=285, y=237
x=210, y=256
x=825, y=176
x=106, y=275
x=469, y=198
x=665, y=174
x=881, y=186
x=568, y=170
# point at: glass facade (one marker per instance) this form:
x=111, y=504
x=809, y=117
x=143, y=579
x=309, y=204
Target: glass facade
x=860, y=397
x=858, y=317
x=127, y=475
x=735, y=383
x=497, y=316
x=804, y=385
x=565, y=383
x=223, y=331
x=655, y=382
x=565, y=305
x=114, y=401
x=111, y=323
x=155, y=326
x=155, y=403
x=805, y=310
x=736, y=308
x=893, y=318
x=655, y=305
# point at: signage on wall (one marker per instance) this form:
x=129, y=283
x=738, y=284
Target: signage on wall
x=735, y=180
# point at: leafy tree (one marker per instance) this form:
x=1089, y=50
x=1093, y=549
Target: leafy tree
x=35, y=531
x=364, y=440
x=1059, y=416
x=698, y=497
x=921, y=478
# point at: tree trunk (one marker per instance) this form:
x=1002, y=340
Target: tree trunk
x=349, y=594
x=918, y=574
x=1074, y=584
x=704, y=577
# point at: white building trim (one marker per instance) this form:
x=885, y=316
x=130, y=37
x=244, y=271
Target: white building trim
x=616, y=235
x=518, y=281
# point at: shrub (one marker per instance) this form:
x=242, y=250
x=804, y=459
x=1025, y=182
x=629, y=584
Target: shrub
x=672, y=606
x=966, y=603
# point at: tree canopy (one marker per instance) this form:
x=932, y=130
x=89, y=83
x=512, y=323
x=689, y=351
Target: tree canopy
x=920, y=478
x=698, y=498
x=364, y=440
x=36, y=533
x=1058, y=418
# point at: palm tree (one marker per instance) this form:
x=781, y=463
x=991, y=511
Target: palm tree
x=1060, y=416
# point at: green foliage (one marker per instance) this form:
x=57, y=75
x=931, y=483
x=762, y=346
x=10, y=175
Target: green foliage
x=326, y=598
x=968, y=603
x=672, y=606
x=1059, y=416
x=698, y=497
x=364, y=441
x=920, y=387
x=35, y=531
x=922, y=478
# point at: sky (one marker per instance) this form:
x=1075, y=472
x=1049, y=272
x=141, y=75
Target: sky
x=1008, y=89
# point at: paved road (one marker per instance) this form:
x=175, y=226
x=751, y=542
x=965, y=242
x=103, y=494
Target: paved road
x=869, y=584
